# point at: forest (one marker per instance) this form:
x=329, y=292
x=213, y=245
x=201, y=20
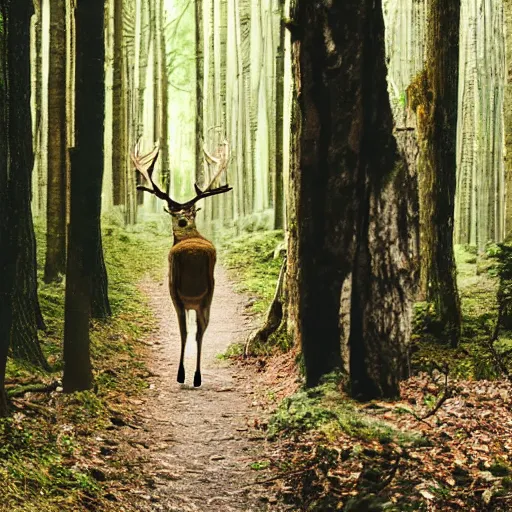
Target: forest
x=321, y=191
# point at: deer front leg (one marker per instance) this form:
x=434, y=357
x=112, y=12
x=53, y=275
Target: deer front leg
x=203, y=317
x=182, y=320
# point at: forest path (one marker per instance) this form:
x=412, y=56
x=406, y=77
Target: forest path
x=199, y=441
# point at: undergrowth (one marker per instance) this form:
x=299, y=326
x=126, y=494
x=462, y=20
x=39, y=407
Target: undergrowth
x=477, y=279
x=46, y=445
x=326, y=409
x=250, y=260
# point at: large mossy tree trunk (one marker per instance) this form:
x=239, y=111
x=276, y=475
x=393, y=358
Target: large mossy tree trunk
x=351, y=193
x=27, y=316
x=55, y=263
x=435, y=101
x=86, y=177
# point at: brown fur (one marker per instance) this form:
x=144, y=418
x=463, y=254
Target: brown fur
x=191, y=264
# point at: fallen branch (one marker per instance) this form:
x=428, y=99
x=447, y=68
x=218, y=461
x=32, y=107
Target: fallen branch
x=33, y=388
x=23, y=404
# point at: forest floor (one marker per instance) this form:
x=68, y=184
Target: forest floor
x=201, y=446
x=251, y=438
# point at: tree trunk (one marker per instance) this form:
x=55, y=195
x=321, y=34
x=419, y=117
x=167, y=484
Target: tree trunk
x=279, y=212
x=165, y=172
x=86, y=178
x=507, y=11
x=118, y=109
x=7, y=242
x=57, y=146
x=95, y=100
x=351, y=229
x=200, y=178
x=27, y=316
x=437, y=130
x=37, y=94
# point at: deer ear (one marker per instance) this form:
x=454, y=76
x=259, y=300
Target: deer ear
x=197, y=209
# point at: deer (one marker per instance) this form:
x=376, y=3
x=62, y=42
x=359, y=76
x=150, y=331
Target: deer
x=192, y=257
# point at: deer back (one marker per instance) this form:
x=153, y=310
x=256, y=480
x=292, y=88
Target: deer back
x=191, y=267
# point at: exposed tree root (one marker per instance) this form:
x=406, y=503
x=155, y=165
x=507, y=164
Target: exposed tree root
x=274, y=316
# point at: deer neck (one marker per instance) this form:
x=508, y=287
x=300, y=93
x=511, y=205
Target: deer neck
x=185, y=233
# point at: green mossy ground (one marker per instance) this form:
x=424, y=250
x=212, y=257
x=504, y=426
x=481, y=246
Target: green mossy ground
x=45, y=445
x=478, y=283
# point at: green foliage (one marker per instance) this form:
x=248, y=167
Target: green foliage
x=35, y=472
x=325, y=408
x=260, y=465
x=251, y=256
x=500, y=468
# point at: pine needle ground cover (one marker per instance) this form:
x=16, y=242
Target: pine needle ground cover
x=54, y=454
x=444, y=446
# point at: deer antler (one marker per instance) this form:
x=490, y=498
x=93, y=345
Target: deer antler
x=145, y=164
x=221, y=161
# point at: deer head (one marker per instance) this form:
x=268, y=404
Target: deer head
x=183, y=214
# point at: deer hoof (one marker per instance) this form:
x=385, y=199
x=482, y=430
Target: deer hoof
x=197, y=379
x=181, y=374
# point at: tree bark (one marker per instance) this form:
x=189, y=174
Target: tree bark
x=351, y=198
x=7, y=242
x=436, y=107
x=200, y=178
x=279, y=212
x=27, y=317
x=57, y=146
x=119, y=149
x=86, y=176
x=507, y=11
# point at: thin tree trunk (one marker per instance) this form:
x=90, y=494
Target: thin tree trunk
x=118, y=109
x=507, y=6
x=57, y=146
x=279, y=177
x=37, y=102
x=86, y=177
x=164, y=117
x=200, y=178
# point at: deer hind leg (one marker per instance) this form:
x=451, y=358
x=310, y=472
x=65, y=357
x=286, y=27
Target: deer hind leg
x=203, y=317
x=182, y=320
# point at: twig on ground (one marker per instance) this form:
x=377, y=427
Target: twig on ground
x=447, y=393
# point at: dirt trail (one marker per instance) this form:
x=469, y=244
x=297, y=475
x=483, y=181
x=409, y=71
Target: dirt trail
x=200, y=442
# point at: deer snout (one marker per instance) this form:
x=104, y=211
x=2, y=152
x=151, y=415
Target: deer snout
x=182, y=223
